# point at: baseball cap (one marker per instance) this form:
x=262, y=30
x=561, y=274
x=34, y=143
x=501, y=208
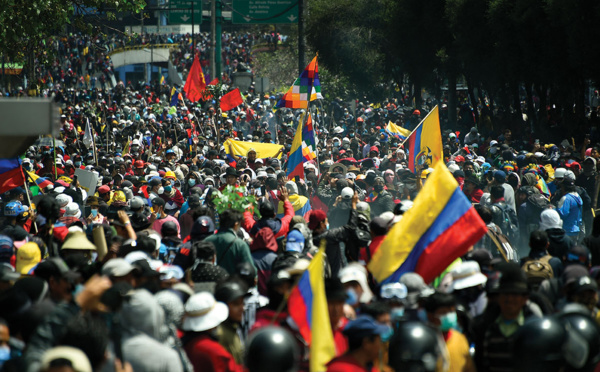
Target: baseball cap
x=117, y=267
x=364, y=326
x=28, y=256
x=55, y=267
x=295, y=241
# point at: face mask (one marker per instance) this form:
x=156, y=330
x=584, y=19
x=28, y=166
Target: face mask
x=387, y=335
x=78, y=164
x=161, y=190
x=327, y=227
x=448, y=321
x=397, y=313
x=493, y=150
x=4, y=354
x=168, y=188
x=378, y=188
x=422, y=315
x=336, y=144
x=94, y=213
x=351, y=297
x=192, y=182
x=78, y=288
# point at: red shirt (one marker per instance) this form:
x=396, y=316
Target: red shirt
x=347, y=363
x=206, y=354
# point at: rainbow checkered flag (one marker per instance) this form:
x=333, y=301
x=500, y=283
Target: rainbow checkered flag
x=297, y=96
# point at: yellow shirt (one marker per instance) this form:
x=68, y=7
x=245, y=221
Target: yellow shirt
x=458, y=350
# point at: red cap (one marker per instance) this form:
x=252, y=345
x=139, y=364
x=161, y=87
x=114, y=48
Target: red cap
x=139, y=164
x=416, y=112
x=103, y=189
x=316, y=217
x=459, y=159
x=374, y=148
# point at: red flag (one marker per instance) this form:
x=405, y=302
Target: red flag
x=195, y=84
x=214, y=81
x=231, y=100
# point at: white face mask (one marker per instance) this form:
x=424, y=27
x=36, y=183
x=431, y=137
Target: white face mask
x=161, y=190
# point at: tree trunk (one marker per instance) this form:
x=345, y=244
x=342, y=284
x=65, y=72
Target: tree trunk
x=530, y=109
x=543, y=113
x=452, y=100
x=473, y=99
x=417, y=93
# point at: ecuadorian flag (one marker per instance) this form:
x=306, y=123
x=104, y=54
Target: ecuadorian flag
x=295, y=165
x=425, y=144
x=11, y=174
x=439, y=228
x=307, y=306
x=397, y=131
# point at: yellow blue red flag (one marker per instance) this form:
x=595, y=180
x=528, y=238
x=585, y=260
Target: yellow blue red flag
x=307, y=306
x=440, y=227
x=425, y=144
x=397, y=131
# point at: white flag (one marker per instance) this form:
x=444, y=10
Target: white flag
x=87, y=136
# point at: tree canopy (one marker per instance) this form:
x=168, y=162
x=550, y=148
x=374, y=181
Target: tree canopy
x=511, y=49
x=27, y=22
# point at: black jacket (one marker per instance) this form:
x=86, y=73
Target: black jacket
x=334, y=237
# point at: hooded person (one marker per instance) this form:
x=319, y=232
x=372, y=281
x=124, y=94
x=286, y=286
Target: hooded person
x=559, y=242
x=300, y=203
x=280, y=226
x=264, y=252
x=202, y=228
x=144, y=335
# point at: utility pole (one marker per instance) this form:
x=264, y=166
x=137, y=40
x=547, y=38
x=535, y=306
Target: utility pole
x=193, y=39
x=218, y=20
x=301, y=38
x=213, y=39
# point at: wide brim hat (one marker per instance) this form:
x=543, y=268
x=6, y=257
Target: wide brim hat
x=203, y=313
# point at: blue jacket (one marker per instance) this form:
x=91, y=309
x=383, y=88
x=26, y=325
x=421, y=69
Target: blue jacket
x=570, y=208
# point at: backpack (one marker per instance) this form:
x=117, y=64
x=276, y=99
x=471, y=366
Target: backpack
x=360, y=238
x=536, y=204
x=538, y=269
x=508, y=221
x=503, y=247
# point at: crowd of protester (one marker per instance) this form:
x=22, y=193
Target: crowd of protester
x=147, y=271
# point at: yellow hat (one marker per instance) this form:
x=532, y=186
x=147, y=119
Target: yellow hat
x=170, y=175
x=119, y=196
x=28, y=256
x=77, y=240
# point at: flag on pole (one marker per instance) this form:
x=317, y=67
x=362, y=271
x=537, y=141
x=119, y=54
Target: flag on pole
x=425, y=144
x=397, y=131
x=175, y=97
x=298, y=95
x=309, y=145
x=190, y=139
x=88, y=140
x=295, y=165
x=127, y=147
x=195, y=84
x=439, y=228
x=11, y=174
x=307, y=306
x=231, y=100
x=162, y=80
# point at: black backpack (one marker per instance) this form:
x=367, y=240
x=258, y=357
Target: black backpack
x=361, y=238
x=536, y=204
